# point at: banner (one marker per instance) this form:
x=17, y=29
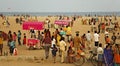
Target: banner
x=33, y=25
x=32, y=42
x=62, y=22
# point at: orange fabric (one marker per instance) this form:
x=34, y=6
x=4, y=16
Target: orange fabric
x=77, y=41
x=103, y=26
x=107, y=40
x=1, y=40
x=78, y=53
x=65, y=29
x=116, y=56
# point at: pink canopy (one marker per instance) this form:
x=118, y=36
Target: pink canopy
x=34, y=25
x=62, y=22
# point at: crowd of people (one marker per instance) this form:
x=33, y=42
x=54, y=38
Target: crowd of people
x=61, y=41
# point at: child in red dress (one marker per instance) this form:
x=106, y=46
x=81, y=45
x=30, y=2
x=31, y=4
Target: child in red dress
x=24, y=39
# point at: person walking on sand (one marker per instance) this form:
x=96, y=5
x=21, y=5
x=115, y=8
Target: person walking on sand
x=47, y=44
x=76, y=41
x=14, y=36
x=9, y=37
x=63, y=48
x=17, y=20
x=96, y=38
x=54, y=51
x=83, y=41
x=89, y=39
x=108, y=55
x=100, y=55
x=70, y=55
x=116, y=52
x=19, y=37
x=12, y=46
x=40, y=38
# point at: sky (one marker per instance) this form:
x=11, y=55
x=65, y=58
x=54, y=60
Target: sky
x=59, y=5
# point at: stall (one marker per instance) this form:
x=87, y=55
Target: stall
x=32, y=42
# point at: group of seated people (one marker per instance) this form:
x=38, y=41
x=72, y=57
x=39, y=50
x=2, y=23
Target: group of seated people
x=72, y=56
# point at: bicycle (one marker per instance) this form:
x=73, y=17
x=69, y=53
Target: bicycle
x=80, y=61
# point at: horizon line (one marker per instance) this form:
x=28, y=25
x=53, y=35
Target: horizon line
x=63, y=12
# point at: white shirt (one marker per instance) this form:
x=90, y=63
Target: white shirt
x=92, y=24
x=106, y=33
x=96, y=37
x=62, y=45
x=88, y=36
x=53, y=42
x=47, y=21
x=99, y=50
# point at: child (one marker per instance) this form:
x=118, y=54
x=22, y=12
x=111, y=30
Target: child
x=100, y=54
x=12, y=46
x=53, y=41
x=54, y=50
x=24, y=39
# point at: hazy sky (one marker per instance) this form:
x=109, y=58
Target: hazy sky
x=59, y=5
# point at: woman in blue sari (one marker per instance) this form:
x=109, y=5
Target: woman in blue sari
x=108, y=55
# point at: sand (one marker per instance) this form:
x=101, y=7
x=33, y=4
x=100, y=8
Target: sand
x=24, y=52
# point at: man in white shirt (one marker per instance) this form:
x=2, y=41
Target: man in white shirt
x=106, y=33
x=62, y=49
x=89, y=39
x=96, y=38
x=100, y=49
x=100, y=54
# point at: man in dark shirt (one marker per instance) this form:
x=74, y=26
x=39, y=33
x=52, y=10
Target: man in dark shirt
x=114, y=38
x=47, y=44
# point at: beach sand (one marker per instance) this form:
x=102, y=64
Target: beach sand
x=23, y=50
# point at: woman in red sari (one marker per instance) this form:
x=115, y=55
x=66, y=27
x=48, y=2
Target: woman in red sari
x=117, y=55
x=70, y=55
x=83, y=39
